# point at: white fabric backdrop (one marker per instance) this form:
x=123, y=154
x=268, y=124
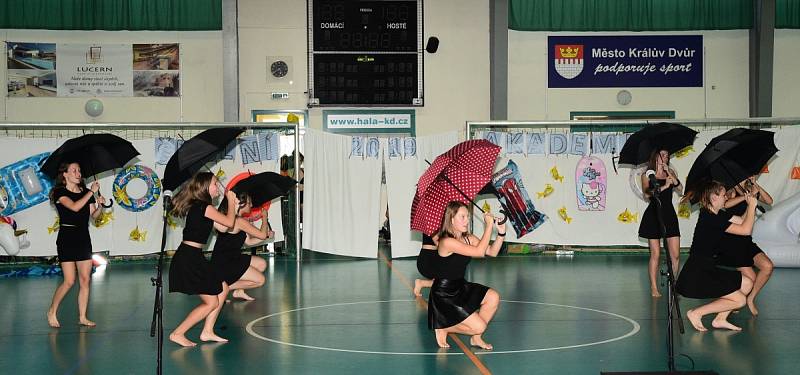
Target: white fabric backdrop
x=401, y=184
x=341, y=208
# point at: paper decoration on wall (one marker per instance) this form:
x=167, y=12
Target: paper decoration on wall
x=515, y=201
x=395, y=148
x=604, y=143
x=54, y=228
x=590, y=184
x=230, y=151
x=795, y=173
x=372, y=148
x=22, y=185
x=556, y=176
x=409, y=147
x=138, y=235
x=356, y=147
x=248, y=147
x=682, y=153
x=548, y=189
x=628, y=217
x=269, y=145
x=558, y=143
x=515, y=143
x=535, y=143
x=578, y=143
x=106, y=216
x=165, y=148
x=684, y=210
x=562, y=213
x=171, y=222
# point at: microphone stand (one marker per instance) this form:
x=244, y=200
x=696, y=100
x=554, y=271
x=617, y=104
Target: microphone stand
x=157, y=325
x=672, y=298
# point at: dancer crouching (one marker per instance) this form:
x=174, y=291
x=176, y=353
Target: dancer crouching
x=700, y=277
x=456, y=305
x=426, y=263
x=190, y=272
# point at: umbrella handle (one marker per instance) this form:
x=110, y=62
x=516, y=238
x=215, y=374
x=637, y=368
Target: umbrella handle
x=505, y=217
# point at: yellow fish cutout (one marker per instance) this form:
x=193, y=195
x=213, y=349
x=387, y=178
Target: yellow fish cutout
x=684, y=210
x=171, y=222
x=548, y=189
x=683, y=152
x=627, y=216
x=486, y=207
x=55, y=226
x=562, y=212
x=105, y=217
x=220, y=174
x=137, y=235
x=121, y=195
x=556, y=176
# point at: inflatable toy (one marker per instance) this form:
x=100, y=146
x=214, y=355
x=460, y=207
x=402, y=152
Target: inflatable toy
x=150, y=197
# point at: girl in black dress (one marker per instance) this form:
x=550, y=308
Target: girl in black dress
x=189, y=271
x=426, y=263
x=76, y=205
x=701, y=277
x=456, y=305
x=240, y=271
x=742, y=253
x=649, y=227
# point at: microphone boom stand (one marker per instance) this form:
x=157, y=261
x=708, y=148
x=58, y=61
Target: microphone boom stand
x=157, y=325
x=672, y=298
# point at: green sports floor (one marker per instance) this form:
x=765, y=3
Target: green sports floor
x=579, y=314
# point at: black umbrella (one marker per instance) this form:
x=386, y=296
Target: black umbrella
x=661, y=136
x=96, y=153
x=195, y=153
x=264, y=187
x=731, y=158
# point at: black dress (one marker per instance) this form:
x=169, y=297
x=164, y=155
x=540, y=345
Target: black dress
x=700, y=277
x=73, y=243
x=227, y=258
x=453, y=299
x=649, y=226
x=190, y=272
x=737, y=251
x=427, y=258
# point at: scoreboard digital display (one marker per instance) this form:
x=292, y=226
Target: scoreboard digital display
x=365, y=53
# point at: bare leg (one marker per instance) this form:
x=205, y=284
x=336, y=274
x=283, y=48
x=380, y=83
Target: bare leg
x=208, y=327
x=674, y=247
x=472, y=326
x=258, y=263
x=765, y=266
x=652, y=267
x=252, y=278
x=441, y=338
x=207, y=304
x=68, y=269
x=488, y=308
x=721, y=321
x=84, y=279
x=421, y=283
x=724, y=305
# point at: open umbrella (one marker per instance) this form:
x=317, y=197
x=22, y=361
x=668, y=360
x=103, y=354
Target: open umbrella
x=264, y=187
x=457, y=175
x=96, y=153
x=661, y=136
x=732, y=157
x=195, y=153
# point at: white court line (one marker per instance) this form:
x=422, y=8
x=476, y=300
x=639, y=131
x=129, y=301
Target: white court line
x=249, y=329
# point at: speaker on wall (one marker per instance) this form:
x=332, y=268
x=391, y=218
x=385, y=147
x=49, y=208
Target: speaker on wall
x=433, y=45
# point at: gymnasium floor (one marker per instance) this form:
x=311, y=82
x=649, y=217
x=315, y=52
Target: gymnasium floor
x=330, y=315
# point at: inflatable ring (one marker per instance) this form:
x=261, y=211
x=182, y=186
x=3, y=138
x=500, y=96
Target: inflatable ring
x=137, y=172
x=635, y=180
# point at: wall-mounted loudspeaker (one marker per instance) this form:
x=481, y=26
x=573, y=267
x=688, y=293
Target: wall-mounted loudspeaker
x=433, y=45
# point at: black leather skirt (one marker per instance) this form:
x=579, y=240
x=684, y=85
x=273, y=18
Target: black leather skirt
x=452, y=301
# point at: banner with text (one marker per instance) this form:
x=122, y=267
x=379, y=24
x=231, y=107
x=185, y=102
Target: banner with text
x=369, y=121
x=625, y=61
x=94, y=70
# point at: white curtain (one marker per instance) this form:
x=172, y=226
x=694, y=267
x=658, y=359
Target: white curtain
x=341, y=208
x=401, y=185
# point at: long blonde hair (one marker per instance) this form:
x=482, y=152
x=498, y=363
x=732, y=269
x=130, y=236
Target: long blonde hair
x=708, y=188
x=196, y=190
x=450, y=212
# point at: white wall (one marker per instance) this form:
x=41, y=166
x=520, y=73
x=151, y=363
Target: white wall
x=785, y=80
x=725, y=91
x=201, y=81
x=456, y=77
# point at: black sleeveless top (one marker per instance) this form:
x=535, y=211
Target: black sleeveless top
x=198, y=226
x=452, y=267
x=67, y=216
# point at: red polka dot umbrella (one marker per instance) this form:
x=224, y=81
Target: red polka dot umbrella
x=457, y=175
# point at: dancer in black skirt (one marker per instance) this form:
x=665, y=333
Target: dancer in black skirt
x=741, y=252
x=76, y=205
x=240, y=271
x=649, y=227
x=456, y=305
x=426, y=263
x=701, y=277
x=189, y=271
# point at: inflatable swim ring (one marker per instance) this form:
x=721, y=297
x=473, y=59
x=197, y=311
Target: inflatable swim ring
x=149, y=199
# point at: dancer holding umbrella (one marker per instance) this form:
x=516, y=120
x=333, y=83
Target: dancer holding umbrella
x=653, y=145
x=86, y=155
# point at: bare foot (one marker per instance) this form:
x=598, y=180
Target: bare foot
x=240, y=294
x=211, y=337
x=478, y=342
x=181, y=340
x=441, y=338
x=724, y=324
x=417, y=287
x=655, y=293
x=694, y=318
x=87, y=323
x=52, y=320
x=751, y=304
